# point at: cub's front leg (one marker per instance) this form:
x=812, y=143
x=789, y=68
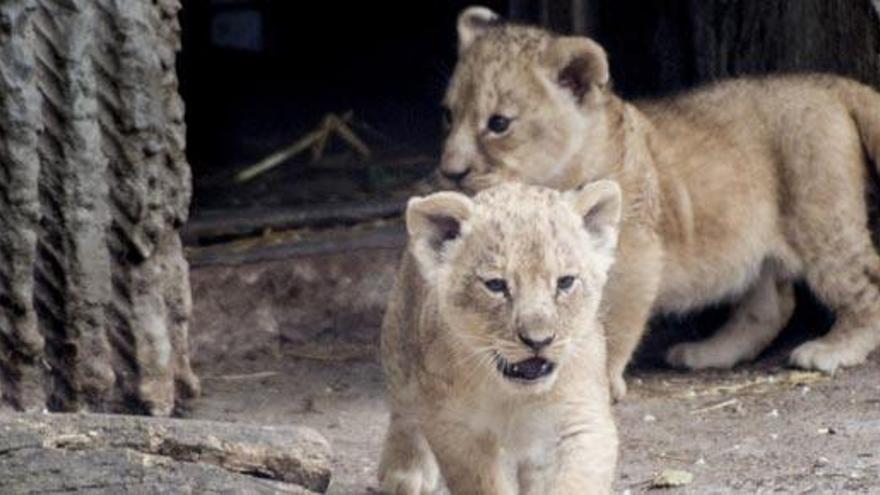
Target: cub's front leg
x=532, y=475
x=629, y=299
x=587, y=458
x=469, y=461
x=407, y=466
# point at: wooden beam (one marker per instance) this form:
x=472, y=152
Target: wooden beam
x=227, y=224
x=272, y=248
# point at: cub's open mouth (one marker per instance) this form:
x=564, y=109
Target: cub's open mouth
x=528, y=370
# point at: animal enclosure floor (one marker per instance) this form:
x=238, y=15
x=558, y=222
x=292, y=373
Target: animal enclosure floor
x=762, y=428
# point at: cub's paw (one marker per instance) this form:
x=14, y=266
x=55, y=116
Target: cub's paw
x=826, y=356
x=618, y=387
x=409, y=480
x=697, y=356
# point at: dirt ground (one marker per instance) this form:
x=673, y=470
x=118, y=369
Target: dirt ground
x=762, y=428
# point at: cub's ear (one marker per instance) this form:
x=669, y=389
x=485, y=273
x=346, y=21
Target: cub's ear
x=600, y=204
x=579, y=64
x=432, y=223
x=472, y=23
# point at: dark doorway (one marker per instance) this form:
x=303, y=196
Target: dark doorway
x=258, y=75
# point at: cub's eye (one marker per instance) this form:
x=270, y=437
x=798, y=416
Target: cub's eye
x=447, y=117
x=496, y=285
x=498, y=124
x=565, y=283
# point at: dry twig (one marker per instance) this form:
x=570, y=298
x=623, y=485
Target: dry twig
x=315, y=140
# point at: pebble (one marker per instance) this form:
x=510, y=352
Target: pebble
x=669, y=478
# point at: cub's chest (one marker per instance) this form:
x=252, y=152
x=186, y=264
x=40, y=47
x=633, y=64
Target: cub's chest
x=523, y=432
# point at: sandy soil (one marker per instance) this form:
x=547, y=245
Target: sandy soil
x=758, y=429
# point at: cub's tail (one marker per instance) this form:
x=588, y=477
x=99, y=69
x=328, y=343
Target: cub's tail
x=864, y=106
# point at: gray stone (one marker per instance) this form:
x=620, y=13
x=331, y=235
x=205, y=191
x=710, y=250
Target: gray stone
x=92, y=453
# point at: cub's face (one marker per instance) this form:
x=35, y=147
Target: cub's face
x=518, y=271
x=521, y=104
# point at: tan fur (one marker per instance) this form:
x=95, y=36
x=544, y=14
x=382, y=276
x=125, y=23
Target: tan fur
x=445, y=329
x=732, y=190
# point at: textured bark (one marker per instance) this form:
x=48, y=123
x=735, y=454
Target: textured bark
x=94, y=185
x=128, y=454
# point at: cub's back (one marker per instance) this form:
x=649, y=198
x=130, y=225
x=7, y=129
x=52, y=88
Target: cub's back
x=746, y=108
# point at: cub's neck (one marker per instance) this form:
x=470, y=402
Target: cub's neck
x=624, y=155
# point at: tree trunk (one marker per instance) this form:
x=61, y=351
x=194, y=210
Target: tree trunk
x=94, y=185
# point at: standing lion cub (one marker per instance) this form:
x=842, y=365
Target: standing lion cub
x=492, y=348
x=734, y=190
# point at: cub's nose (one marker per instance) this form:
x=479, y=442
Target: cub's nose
x=536, y=345
x=455, y=176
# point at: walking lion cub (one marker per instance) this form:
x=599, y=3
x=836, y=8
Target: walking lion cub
x=492, y=348
x=734, y=190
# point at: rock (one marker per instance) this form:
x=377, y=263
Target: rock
x=114, y=454
x=670, y=478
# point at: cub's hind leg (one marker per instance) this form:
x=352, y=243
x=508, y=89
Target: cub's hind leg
x=847, y=280
x=407, y=467
x=825, y=175
x=757, y=320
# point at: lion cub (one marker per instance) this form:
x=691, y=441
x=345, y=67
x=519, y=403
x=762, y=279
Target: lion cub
x=732, y=191
x=492, y=347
